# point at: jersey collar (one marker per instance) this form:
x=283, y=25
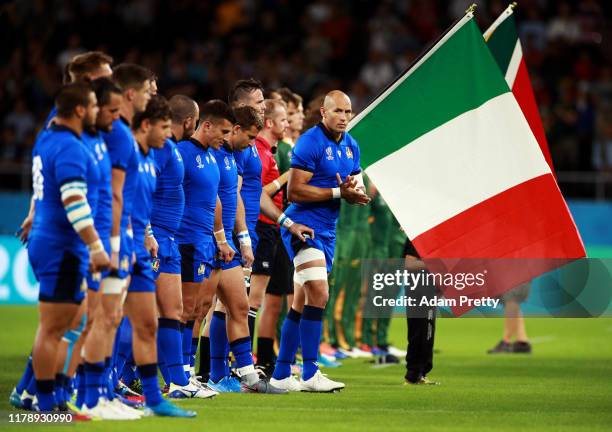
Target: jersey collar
x=62, y=128
x=328, y=133
x=197, y=143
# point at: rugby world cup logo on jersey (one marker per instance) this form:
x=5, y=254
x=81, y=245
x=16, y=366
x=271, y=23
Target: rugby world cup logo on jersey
x=200, y=165
x=330, y=153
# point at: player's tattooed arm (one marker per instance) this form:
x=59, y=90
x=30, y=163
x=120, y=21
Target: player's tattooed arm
x=117, y=181
x=226, y=253
x=26, y=225
x=242, y=231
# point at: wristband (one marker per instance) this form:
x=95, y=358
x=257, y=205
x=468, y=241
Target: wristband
x=284, y=220
x=115, y=244
x=336, y=193
x=244, y=238
x=95, y=246
x=277, y=184
x=220, y=236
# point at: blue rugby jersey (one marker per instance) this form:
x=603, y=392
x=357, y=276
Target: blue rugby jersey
x=169, y=197
x=143, y=198
x=123, y=152
x=249, y=168
x=103, y=215
x=316, y=151
x=59, y=157
x=228, y=186
x=200, y=184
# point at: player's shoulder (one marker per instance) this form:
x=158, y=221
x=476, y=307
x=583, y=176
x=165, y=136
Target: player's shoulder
x=119, y=132
x=313, y=137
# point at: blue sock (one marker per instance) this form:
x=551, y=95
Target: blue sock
x=194, y=351
x=128, y=374
x=44, y=394
x=150, y=385
x=60, y=396
x=289, y=343
x=170, y=349
x=81, y=387
x=110, y=378
x=218, y=342
x=26, y=377
x=31, y=388
x=242, y=351
x=124, y=351
x=227, y=360
x=94, y=382
x=68, y=388
x=187, y=332
x=310, y=336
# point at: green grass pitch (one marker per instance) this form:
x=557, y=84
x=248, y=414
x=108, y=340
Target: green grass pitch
x=566, y=384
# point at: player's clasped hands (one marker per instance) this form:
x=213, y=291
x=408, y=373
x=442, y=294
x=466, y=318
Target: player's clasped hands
x=98, y=261
x=226, y=253
x=350, y=192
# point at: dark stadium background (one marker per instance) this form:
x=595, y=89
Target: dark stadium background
x=200, y=47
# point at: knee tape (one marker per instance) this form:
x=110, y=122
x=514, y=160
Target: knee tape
x=307, y=255
x=312, y=274
x=112, y=285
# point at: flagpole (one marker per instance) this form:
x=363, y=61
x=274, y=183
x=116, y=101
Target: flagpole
x=500, y=19
x=425, y=54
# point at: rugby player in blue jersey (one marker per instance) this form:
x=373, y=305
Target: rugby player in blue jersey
x=134, y=81
x=323, y=156
x=63, y=239
x=151, y=128
x=201, y=215
x=168, y=204
x=83, y=67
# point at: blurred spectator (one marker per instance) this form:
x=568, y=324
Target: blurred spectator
x=310, y=47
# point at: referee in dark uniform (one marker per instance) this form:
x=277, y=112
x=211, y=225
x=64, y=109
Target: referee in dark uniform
x=421, y=325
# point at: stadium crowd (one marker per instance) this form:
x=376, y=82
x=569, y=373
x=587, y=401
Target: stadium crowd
x=310, y=47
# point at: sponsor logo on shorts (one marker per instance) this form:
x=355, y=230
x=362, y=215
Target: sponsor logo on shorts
x=155, y=264
x=125, y=264
x=201, y=269
x=84, y=285
x=265, y=264
x=96, y=277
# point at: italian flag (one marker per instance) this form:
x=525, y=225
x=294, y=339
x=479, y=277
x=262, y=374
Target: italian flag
x=505, y=45
x=451, y=152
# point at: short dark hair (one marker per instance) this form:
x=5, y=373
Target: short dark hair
x=289, y=97
x=157, y=109
x=247, y=117
x=86, y=63
x=215, y=110
x=243, y=87
x=71, y=96
x=131, y=76
x=182, y=107
x=103, y=87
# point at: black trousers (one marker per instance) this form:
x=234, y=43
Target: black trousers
x=419, y=358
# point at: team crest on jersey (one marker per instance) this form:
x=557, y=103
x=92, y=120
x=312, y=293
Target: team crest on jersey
x=199, y=162
x=201, y=269
x=155, y=264
x=349, y=153
x=330, y=153
x=125, y=264
x=227, y=163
